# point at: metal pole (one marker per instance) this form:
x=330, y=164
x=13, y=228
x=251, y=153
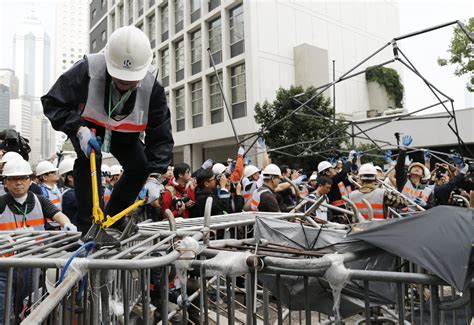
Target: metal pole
x=334, y=90
x=223, y=97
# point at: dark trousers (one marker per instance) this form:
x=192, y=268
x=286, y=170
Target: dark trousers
x=131, y=155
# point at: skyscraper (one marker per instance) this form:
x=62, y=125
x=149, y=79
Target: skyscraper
x=72, y=37
x=4, y=107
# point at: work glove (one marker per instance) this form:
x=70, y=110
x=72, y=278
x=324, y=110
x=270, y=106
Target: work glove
x=352, y=155
x=388, y=156
x=207, y=164
x=426, y=154
x=344, y=159
x=332, y=161
x=407, y=140
x=69, y=227
x=457, y=159
x=151, y=191
x=247, y=161
x=408, y=161
x=87, y=140
x=261, y=144
x=241, y=151
x=418, y=200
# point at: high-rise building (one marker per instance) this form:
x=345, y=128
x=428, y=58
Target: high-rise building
x=32, y=57
x=72, y=37
x=257, y=47
x=4, y=107
x=8, y=78
x=20, y=116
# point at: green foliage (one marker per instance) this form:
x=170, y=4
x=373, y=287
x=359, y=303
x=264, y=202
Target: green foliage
x=461, y=52
x=298, y=128
x=389, y=79
x=371, y=154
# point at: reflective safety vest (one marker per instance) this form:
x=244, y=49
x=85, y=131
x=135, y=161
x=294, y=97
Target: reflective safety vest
x=34, y=219
x=344, y=190
x=255, y=200
x=53, y=194
x=375, y=199
x=94, y=111
x=249, y=189
x=412, y=192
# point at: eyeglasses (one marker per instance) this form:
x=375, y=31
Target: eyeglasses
x=211, y=179
x=18, y=178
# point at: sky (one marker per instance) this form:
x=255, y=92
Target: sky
x=423, y=50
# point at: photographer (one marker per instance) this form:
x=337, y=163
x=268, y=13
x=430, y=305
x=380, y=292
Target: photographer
x=178, y=197
x=207, y=187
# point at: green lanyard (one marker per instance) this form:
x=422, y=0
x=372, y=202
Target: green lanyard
x=23, y=213
x=122, y=99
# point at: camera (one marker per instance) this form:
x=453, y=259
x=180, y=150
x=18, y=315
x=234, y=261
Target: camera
x=178, y=202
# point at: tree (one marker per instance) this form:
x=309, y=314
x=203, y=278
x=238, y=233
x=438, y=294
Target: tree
x=371, y=154
x=461, y=52
x=311, y=123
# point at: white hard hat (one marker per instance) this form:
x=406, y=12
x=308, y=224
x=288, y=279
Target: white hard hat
x=323, y=165
x=128, y=54
x=218, y=168
x=45, y=167
x=17, y=167
x=313, y=177
x=367, y=172
x=10, y=155
x=66, y=166
x=105, y=169
x=115, y=170
x=250, y=170
x=271, y=170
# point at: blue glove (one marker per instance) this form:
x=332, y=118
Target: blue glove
x=457, y=158
x=207, y=164
x=344, y=159
x=332, y=161
x=352, y=155
x=388, y=156
x=232, y=166
x=418, y=200
x=261, y=144
x=407, y=140
x=427, y=154
x=87, y=140
x=354, y=166
x=151, y=191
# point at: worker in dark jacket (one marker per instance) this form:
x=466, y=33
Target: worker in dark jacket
x=114, y=93
x=206, y=187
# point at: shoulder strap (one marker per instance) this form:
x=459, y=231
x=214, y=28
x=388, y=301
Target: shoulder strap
x=172, y=190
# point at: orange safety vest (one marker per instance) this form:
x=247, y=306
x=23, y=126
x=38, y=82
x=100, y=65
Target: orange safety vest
x=344, y=190
x=34, y=219
x=375, y=199
x=256, y=195
x=412, y=192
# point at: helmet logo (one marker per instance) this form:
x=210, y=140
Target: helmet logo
x=127, y=64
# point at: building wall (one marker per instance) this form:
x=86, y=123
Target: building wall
x=4, y=107
x=348, y=31
x=72, y=33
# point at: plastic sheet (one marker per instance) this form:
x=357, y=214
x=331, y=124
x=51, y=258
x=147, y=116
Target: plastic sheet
x=337, y=275
x=228, y=264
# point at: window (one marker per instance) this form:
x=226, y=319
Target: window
x=94, y=44
x=237, y=84
x=140, y=7
x=196, y=103
x=151, y=30
x=215, y=40
x=179, y=105
x=178, y=15
x=94, y=12
x=120, y=15
x=213, y=4
x=236, y=23
x=164, y=23
x=140, y=27
x=196, y=54
x=215, y=100
x=165, y=63
x=130, y=11
x=103, y=35
x=179, y=60
x=112, y=20
x=195, y=7
x=102, y=3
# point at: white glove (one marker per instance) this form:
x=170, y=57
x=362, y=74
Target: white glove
x=241, y=151
x=207, y=164
x=352, y=154
x=87, y=140
x=69, y=227
x=151, y=191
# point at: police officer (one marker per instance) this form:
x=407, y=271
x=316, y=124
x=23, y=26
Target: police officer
x=115, y=93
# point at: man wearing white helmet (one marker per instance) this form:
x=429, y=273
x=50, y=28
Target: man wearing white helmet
x=22, y=209
x=378, y=198
x=48, y=177
x=264, y=199
x=115, y=174
x=116, y=94
x=68, y=202
x=411, y=185
x=10, y=155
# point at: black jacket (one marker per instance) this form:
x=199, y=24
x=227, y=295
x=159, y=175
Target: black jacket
x=219, y=206
x=61, y=106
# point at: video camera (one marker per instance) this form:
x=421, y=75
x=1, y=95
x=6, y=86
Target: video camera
x=178, y=202
x=11, y=140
